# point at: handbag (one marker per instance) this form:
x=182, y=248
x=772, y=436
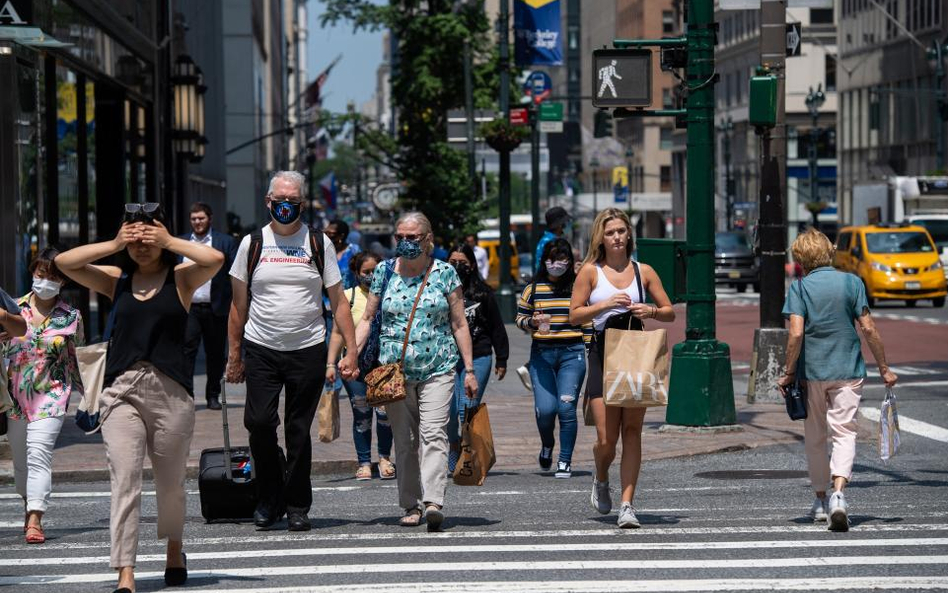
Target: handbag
x=795, y=395
x=369, y=357
x=386, y=384
x=6, y=400
x=477, y=448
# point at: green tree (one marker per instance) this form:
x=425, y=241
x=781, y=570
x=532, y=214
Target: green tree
x=427, y=82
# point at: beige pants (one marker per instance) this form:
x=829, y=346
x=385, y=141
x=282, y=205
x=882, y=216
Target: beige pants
x=152, y=414
x=422, y=419
x=831, y=411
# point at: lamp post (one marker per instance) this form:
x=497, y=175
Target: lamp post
x=188, y=138
x=594, y=165
x=814, y=100
x=726, y=127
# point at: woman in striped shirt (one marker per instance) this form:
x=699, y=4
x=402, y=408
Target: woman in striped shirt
x=558, y=356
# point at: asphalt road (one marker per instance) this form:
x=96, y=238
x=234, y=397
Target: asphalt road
x=725, y=522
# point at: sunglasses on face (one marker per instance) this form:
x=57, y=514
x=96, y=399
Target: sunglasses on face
x=412, y=238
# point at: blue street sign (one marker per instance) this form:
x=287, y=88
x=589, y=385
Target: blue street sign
x=538, y=85
x=620, y=194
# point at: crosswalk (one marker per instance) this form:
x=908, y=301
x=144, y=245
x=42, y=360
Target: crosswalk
x=777, y=556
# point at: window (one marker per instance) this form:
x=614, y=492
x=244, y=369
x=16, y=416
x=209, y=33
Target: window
x=665, y=177
x=668, y=21
x=830, y=68
x=665, y=139
x=821, y=16
x=845, y=239
x=668, y=100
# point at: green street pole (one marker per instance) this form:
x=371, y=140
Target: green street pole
x=506, y=298
x=701, y=392
x=535, y=174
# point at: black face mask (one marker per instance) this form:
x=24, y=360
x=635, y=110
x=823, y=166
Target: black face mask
x=463, y=269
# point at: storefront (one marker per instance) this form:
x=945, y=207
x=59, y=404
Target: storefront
x=83, y=97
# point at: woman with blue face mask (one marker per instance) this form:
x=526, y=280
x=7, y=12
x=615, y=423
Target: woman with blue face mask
x=43, y=373
x=558, y=355
x=437, y=338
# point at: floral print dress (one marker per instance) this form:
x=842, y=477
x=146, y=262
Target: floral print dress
x=42, y=368
x=431, y=350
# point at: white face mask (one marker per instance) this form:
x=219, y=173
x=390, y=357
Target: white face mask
x=556, y=268
x=45, y=288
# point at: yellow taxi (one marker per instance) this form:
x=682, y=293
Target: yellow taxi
x=490, y=241
x=894, y=261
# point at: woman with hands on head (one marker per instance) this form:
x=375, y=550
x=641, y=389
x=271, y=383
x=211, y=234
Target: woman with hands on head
x=437, y=335
x=611, y=292
x=147, y=405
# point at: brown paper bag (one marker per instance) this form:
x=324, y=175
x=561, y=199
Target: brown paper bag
x=327, y=416
x=477, y=448
x=636, y=369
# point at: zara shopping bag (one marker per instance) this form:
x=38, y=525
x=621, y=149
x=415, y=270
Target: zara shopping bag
x=635, y=373
x=477, y=448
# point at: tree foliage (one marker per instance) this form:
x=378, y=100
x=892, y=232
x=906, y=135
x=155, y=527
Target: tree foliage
x=427, y=81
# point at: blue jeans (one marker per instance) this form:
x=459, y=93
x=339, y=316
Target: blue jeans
x=362, y=424
x=557, y=373
x=482, y=366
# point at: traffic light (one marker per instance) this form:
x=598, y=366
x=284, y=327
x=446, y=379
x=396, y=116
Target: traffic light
x=602, y=126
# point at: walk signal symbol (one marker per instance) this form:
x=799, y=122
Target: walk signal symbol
x=622, y=78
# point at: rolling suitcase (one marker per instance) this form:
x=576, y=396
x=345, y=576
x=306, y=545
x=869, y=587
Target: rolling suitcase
x=226, y=478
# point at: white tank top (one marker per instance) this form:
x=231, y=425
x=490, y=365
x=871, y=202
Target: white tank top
x=604, y=291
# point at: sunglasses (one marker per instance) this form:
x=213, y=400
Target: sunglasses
x=412, y=238
x=147, y=211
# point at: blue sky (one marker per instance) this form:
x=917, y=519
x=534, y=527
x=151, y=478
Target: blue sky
x=353, y=78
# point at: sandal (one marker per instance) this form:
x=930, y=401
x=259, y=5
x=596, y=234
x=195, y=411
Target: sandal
x=386, y=468
x=364, y=473
x=35, y=535
x=434, y=516
x=412, y=518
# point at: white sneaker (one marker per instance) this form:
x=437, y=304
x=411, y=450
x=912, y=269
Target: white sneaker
x=838, y=519
x=627, y=518
x=524, y=373
x=818, y=510
x=601, y=497
x=563, y=470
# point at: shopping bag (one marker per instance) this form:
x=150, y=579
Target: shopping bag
x=92, y=369
x=6, y=399
x=477, y=448
x=327, y=417
x=635, y=373
x=888, y=426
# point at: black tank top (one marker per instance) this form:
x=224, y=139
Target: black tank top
x=149, y=331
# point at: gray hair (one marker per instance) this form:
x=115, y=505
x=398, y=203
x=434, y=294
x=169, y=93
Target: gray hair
x=422, y=221
x=292, y=176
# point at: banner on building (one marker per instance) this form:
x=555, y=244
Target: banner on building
x=537, y=33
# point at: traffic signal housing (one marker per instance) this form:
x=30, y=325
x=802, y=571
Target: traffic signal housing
x=602, y=124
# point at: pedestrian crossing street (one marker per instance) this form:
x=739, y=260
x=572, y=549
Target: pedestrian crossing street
x=773, y=556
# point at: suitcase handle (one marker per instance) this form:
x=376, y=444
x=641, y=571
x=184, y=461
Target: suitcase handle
x=228, y=471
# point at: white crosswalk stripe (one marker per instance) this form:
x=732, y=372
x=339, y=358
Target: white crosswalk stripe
x=780, y=557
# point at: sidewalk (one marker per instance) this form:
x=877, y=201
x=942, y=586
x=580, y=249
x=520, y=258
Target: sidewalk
x=82, y=458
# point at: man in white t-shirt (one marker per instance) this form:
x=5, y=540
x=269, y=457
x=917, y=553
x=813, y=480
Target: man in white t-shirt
x=480, y=254
x=278, y=341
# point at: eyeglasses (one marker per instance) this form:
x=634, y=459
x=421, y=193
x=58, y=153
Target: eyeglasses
x=294, y=199
x=412, y=238
x=148, y=208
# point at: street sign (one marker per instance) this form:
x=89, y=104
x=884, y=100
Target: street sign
x=794, y=37
x=551, y=112
x=519, y=116
x=551, y=127
x=622, y=78
x=538, y=86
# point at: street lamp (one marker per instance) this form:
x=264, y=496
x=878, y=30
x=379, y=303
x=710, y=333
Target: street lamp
x=188, y=125
x=726, y=127
x=815, y=100
x=594, y=165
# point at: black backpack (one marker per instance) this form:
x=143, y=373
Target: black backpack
x=316, y=247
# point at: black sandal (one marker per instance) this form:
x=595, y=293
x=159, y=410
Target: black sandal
x=177, y=575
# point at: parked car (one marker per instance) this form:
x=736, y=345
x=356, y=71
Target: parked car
x=894, y=261
x=937, y=226
x=734, y=261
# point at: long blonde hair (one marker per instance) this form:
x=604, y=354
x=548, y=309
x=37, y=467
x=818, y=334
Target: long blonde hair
x=597, y=252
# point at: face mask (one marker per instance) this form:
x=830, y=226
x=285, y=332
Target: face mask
x=366, y=281
x=408, y=249
x=463, y=269
x=556, y=268
x=285, y=212
x=46, y=289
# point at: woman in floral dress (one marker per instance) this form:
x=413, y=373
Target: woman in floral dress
x=43, y=373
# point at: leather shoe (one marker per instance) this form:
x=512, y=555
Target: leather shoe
x=177, y=575
x=213, y=403
x=298, y=522
x=265, y=516
x=122, y=590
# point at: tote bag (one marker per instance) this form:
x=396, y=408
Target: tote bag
x=327, y=416
x=635, y=373
x=477, y=448
x=92, y=369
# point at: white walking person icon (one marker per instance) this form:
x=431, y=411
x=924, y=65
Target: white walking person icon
x=606, y=74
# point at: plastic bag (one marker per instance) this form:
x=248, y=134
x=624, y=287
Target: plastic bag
x=888, y=426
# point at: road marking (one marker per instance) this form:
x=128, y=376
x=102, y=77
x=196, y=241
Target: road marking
x=908, y=370
x=909, y=384
x=914, y=318
x=887, y=583
x=495, y=548
x=106, y=494
x=906, y=424
x=649, y=530
x=828, y=562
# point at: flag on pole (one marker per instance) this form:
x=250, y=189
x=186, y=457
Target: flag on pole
x=314, y=90
x=330, y=190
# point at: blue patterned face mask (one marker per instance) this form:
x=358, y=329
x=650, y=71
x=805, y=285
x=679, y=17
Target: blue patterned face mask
x=408, y=249
x=285, y=212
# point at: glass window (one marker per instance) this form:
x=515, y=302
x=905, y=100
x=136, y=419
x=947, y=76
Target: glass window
x=830, y=68
x=67, y=122
x=821, y=16
x=899, y=242
x=668, y=21
x=845, y=239
x=937, y=228
x=29, y=156
x=665, y=175
x=665, y=141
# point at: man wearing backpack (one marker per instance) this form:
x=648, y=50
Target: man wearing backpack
x=278, y=341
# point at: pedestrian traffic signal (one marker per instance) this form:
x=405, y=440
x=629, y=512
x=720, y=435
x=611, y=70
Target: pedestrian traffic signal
x=602, y=127
x=622, y=78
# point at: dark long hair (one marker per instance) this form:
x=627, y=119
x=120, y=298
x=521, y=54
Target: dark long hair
x=168, y=258
x=554, y=250
x=474, y=287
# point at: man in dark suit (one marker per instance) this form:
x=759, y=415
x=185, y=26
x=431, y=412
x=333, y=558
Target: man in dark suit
x=210, y=305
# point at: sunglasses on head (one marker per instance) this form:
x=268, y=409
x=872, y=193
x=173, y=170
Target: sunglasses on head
x=147, y=211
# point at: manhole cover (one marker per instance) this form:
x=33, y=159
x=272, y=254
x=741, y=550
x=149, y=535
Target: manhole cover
x=753, y=474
